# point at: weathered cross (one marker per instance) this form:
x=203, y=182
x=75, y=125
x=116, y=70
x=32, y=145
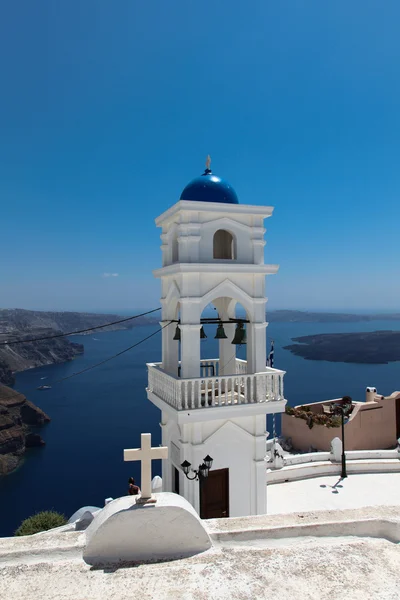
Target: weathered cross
x=146, y=454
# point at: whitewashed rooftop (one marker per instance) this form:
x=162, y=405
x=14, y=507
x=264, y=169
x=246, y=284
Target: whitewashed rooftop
x=278, y=556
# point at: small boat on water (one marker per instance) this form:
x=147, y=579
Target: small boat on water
x=44, y=377
x=44, y=387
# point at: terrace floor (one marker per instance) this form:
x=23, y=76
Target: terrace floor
x=331, y=493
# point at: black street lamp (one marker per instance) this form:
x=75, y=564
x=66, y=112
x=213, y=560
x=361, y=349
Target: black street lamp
x=343, y=409
x=202, y=471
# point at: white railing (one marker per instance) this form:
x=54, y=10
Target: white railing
x=209, y=368
x=218, y=390
x=241, y=366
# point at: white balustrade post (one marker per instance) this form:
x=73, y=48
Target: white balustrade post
x=275, y=386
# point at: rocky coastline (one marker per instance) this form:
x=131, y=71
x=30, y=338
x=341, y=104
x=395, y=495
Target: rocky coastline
x=17, y=324
x=20, y=357
x=17, y=416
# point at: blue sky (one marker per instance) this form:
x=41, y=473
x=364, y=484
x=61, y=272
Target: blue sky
x=107, y=110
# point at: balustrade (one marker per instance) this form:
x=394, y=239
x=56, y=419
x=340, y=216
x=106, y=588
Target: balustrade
x=212, y=390
x=241, y=366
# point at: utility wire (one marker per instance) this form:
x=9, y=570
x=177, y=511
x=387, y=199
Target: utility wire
x=100, y=363
x=111, y=357
x=59, y=335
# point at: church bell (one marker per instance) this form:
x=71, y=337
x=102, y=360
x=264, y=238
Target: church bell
x=220, y=335
x=202, y=333
x=240, y=335
x=177, y=336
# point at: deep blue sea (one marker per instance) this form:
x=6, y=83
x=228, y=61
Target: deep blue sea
x=98, y=414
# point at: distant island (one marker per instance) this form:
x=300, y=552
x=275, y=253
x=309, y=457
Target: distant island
x=16, y=324
x=301, y=316
x=376, y=347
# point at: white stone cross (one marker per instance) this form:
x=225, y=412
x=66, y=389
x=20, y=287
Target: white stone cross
x=146, y=454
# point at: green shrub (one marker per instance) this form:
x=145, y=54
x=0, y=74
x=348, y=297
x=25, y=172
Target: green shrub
x=335, y=421
x=303, y=412
x=42, y=521
x=322, y=419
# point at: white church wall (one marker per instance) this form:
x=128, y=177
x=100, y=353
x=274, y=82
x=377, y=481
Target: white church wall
x=243, y=287
x=248, y=424
x=188, y=236
x=197, y=290
x=199, y=283
x=242, y=241
x=250, y=284
x=232, y=448
x=125, y=531
x=237, y=445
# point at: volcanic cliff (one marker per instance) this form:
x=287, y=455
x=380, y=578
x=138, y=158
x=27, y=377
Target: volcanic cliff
x=17, y=415
x=17, y=324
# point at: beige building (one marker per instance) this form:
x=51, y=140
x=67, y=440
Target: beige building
x=372, y=425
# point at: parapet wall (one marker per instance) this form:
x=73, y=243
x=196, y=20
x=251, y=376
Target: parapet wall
x=293, y=467
x=371, y=426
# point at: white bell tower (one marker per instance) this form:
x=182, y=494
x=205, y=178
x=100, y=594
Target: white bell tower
x=213, y=253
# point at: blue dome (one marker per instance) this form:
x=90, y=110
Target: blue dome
x=209, y=188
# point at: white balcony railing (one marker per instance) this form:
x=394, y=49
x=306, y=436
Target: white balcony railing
x=212, y=389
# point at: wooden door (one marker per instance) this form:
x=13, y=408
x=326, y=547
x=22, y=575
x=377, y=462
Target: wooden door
x=214, y=495
x=398, y=418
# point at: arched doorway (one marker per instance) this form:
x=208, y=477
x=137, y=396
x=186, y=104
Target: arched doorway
x=224, y=245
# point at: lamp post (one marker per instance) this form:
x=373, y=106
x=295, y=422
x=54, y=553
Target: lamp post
x=343, y=409
x=201, y=472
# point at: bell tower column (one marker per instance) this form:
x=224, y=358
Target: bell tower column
x=170, y=348
x=227, y=351
x=190, y=350
x=256, y=347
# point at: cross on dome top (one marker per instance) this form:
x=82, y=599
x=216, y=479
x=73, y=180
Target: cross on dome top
x=146, y=454
x=208, y=162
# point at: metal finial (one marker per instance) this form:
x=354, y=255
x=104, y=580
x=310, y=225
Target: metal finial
x=208, y=162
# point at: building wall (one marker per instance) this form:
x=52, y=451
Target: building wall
x=237, y=445
x=191, y=279
x=189, y=236
x=372, y=425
